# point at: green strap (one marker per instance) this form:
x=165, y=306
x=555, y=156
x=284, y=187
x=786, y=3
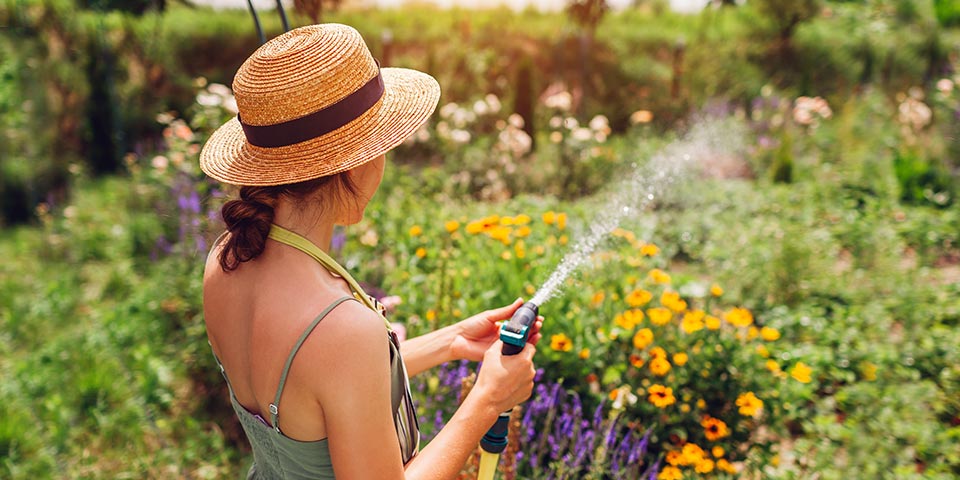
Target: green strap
x=274, y=410
x=294, y=240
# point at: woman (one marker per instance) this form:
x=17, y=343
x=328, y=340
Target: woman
x=315, y=374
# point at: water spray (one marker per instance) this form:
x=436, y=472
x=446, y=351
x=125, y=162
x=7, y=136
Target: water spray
x=638, y=192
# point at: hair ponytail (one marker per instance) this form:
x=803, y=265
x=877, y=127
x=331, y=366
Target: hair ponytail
x=249, y=218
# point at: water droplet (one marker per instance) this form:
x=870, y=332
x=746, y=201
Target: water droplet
x=649, y=196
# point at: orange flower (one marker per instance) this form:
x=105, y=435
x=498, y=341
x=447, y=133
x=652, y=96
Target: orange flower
x=680, y=359
x=451, y=226
x=739, y=317
x=585, y=354
x=561, y=342
x=638, y=298
x=749, y=404
x=704, y=466
x=725, y=466
x=801, y=372
x=659, y=316
x=714, y=428
x=658, y=352
x=670, y=473
x=661, y=396
x=649, y=250
x=673, y=301
x=711, y=322
x=692, y=321
x=659, y=276
x=561, y=221
x=636, y=360
x=715, y=290
x=523, y=232
x=643, y=337
x=415, y=231
x=421, y=252
x=769, y=334
x=659, y=366
x=550, y=217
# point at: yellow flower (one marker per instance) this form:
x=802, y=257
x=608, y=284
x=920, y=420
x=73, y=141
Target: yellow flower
x=869, y=371
x=717, y=451
x=550, y=217
x=561, y=221
x=739, y=317
x=673, y=301
x=625, y=234
x=712, y=323
x=680, y=359
x=773, y=366
x=539, y=250
x=661, y=396
x=506, y=221
x=692, y=321
x=659, y=276
x=636, y=360
x=701, y=404
x=670, y=473
x=597, y=299
x=506, y=255
x=563, y=239
x=421, y=252
x=522, y=232
x=630, y=319
x=643, y=338
x=451, y=226
x=585, y=354
x=415, y=231
x=649, y=250
x=801, y=372
x=521, y=219
x=749, y=404
x=658, y=352
x=769, y=334
x=431, y=315
x=725, y=466
x=475, y=227
x=715, y=290
x=638, y=298
x=500, y=233
x=673, y=457
x=659, y=316
x=691, y=454
x=752, y=333
x=762, y=351
x=561, y=342
x=714, y=428
x=659, y=366
x=704, y=466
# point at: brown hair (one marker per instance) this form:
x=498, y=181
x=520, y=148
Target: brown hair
x=248, y=218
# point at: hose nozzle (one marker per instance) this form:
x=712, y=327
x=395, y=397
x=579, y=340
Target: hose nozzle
x=515, y=333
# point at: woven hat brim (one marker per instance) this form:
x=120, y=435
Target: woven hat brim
x=409, y=99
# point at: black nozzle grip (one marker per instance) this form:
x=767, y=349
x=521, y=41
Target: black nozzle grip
x=510, y=349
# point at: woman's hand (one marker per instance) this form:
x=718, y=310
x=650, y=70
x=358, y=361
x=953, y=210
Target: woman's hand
x=505, y=381
x=476, y=334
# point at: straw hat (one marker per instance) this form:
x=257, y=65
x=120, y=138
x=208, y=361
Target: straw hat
x=314, y=102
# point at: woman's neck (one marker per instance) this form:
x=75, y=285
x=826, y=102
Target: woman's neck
x=307, y=222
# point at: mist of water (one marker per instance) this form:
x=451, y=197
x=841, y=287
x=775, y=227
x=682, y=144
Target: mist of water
x=642, y=187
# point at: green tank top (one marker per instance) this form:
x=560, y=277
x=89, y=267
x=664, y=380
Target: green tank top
x=277, y=456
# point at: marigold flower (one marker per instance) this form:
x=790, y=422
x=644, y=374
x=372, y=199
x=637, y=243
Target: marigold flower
x=643, y=338
x=563, y=239
x=692, y=321
x=561, y=221
x=658, y=352
x=701, y=404
x=773, y=366
x=500, y=233
x=561, y=342
x=597, y=298
x=801, y=372
x=451, y=226
x=680, y=359
x=659, y=276
x=704, y=466
x=769, y=334
x=752, y=333
x=521, y=219
x=649, y=250
x=725, y=466
x=475, y=227
x=636, y=360
x=711, y=322
x=550, y=217
x=415, y=231
x=673, y=457
x=673, y=301
x=691, y=454
x=714, y=428
x=749, y=405
x=638, y=298
x=431, y=315
x=522, y=232
x=421, y=252
x=659, y=316
x=631, y=318
x=717, y=451
x=584, y=354
x=715, y=290
x=670, y=473
x=661, y=396
x=739, y=317
x=659, y=366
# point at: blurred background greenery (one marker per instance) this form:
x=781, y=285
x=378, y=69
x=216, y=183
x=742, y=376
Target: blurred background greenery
x=835, y=224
